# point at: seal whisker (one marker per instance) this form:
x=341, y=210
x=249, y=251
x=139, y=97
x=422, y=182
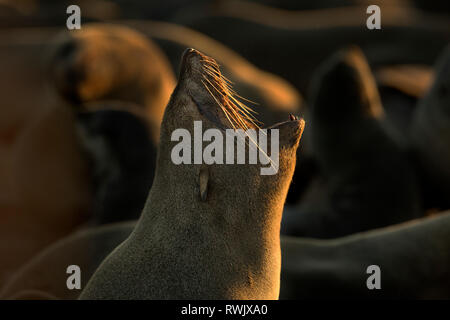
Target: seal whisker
x=246, y=110
x=224, y=83
x=223, y=109
x=219, y=74
x=243, y=115
x=248, y=100
x=248, y=117
x=245, y=127
x=237, y=113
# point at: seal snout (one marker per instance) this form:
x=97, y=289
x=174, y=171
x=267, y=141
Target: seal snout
x=189, y=53
x=192, y=61
x=212, y=92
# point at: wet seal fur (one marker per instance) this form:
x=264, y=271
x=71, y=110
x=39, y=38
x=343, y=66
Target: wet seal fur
x=367, y=180
x=189, y=244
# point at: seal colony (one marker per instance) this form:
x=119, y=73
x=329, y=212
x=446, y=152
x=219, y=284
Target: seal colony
x=310, y=268
x=197, y=238
x=210, y=228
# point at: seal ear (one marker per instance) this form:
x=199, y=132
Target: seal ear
x=203, y=177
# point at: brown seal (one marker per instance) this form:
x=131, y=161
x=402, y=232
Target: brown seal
x=44, y=276
x=413, y=257
x=111, y=62
x=207, y=231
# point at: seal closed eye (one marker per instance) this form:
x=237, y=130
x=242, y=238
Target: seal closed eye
x=207, y=231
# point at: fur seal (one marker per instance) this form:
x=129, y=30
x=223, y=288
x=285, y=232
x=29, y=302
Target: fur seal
x=430, y=137
x=24, y=97
x=44, y=181
x=116, y=139
x=300, y=35
x=367, y=180
x=44, y=276
x=272, y=95
x=50, y=189
x=400, y=87
x=198, y=237
x=111, y=62
x=414, y=259
x=311, y=268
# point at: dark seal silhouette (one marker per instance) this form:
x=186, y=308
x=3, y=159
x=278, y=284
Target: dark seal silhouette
x=367, y=180
x=413, y=257
x=122, y=160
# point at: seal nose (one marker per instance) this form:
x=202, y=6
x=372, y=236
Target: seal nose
x=190, y=54
x=191, y=61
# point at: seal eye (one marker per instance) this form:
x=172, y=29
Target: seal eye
x=203, y=178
